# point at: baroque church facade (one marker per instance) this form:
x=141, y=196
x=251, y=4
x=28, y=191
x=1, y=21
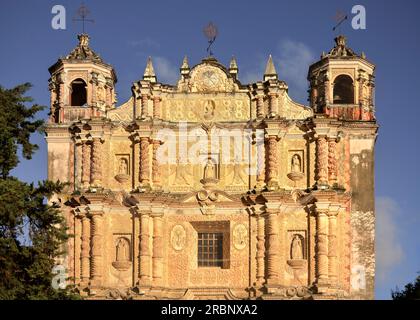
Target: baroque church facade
x=214, y=189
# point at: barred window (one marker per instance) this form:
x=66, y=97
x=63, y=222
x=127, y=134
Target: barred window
x=210, y=249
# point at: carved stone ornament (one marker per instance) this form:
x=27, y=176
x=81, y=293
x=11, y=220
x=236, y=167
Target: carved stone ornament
x=207, y=199
x=178, y=237
x=240, y=236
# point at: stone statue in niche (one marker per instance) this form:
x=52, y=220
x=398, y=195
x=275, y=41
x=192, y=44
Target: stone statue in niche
x=296, y=248
x=122, y=170
x=181, y=174
x=210, y=170
x=296, y=163
x=237, y=173
x=295, y=173
x=122, y=254
x=122, y=250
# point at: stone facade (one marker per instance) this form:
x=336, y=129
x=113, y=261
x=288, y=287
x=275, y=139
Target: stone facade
x=285, y=189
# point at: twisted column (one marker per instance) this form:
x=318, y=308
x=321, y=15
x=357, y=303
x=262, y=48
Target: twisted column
x=273, y=104
x=272, y=248
x=96, y=169
x=260, y=106
x=78, y=164
x=271, y=169
x=157, y=112
x=322, y=247
x=144, y=161
x=155, y=164
x=144, y=106
x=332, y=247
x=332, y=161
x=84, y=253
x=86, y=157
x=96, y=249
x=322, y=161
x=260, y=249
x=144, y=256
x=157, y=250
x=260, y=165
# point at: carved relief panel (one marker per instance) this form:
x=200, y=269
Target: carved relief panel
x=209, y=108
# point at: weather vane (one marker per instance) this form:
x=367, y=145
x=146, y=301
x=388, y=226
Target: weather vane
x=83, y=12
x=210, y=31
x=340, y=17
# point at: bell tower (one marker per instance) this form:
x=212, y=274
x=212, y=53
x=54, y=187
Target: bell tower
x=82, y=85
x=342, y=84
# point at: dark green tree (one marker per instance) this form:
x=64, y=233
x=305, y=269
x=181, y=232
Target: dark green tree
x=411, y=291
x=32, y=232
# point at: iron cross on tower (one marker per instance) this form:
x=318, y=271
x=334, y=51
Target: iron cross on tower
x=83, y=12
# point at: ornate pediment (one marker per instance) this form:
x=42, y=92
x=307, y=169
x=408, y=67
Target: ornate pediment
x=208, y=77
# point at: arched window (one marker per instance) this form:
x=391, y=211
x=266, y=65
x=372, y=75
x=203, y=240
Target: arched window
x=343, y=90
x=78, y=93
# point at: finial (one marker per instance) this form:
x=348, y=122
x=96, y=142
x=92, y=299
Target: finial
x=185, y=68
x=270, y=71
x=233, y=67
x=233, y=64
x=340, y=41
x=83, y=40
x=149, y=72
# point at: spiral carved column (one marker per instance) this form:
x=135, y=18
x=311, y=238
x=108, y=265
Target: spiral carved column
x=96, y=169
x=322, y=247
x=332, y=161
x=155, y=164
x=260, y=106
x=271, y=169
x=144, y=256
x=86, y=158
x=144, y=106
x=272, y=248
x=85, y=247
x=332, y=247
x=322, y=161
x=260, y=166
x=157, y=113
x=96, y=249
x=260, y=249
x=273, y=104
x=144, y=161
x=157, y=250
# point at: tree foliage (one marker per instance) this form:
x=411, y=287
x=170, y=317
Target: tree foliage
x=411, y=291
x=32, y=232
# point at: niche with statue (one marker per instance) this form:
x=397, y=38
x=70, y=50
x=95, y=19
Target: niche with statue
x=122, y=168
x=122, y=259
x=297, y=249
x=296, y=167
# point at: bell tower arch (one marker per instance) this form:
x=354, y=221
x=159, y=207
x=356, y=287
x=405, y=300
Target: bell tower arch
x=81, y=85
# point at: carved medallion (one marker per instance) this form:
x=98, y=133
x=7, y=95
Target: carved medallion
x=178, y=237
x=240, y=236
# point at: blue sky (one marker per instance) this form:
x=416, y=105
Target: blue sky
x=294, y=32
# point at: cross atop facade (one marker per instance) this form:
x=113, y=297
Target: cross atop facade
x=83, y=12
